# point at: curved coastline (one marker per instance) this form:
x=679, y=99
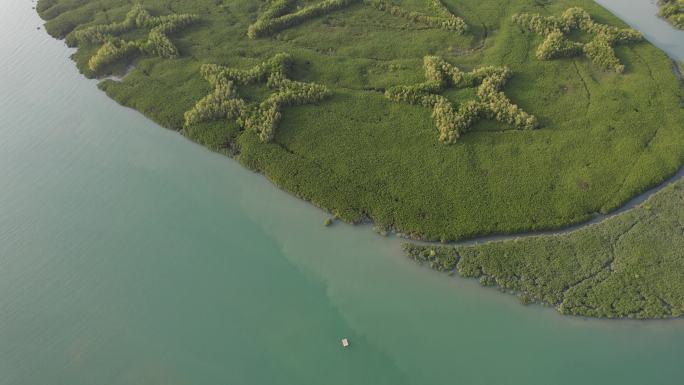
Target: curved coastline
x=131, y=255
x=294, y=163
x=598, y=218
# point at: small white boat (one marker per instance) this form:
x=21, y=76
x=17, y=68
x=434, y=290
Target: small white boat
x=345, y=342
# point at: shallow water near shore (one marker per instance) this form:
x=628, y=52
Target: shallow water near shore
x=129, y=255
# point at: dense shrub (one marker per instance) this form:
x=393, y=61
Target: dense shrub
x=275, y=19
x=98, y=34
x=451, y=122
x=445, y=20
x=277, y=8
x=114, y=49
x=224, y=102
x=111, y=51
x=673, y=11
x=601, y=53
x=538, y=23
x=289, y=93
x=556, y=43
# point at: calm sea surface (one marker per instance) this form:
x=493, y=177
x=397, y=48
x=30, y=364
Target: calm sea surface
x=129, y=255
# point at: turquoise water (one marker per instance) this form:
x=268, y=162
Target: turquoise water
x=129, y=255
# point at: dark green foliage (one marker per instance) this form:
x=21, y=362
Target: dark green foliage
x=603, y=137
x=452, y=122
x=631, y=265
x=673, y=11
x=114, y=49
x=224, y=101
x=556, y=43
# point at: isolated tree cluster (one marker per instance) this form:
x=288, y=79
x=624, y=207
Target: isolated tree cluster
x=452, y=122
x=263, y=118
x=557, y=44
x=114, y=48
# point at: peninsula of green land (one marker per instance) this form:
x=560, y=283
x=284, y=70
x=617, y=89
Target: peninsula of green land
x=438, y=119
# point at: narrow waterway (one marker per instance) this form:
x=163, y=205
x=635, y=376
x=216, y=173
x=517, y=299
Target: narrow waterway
x=129, y=255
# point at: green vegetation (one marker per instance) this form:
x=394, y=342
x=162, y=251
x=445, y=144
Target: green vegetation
x=603, y=136
x=276, y=18
x=556, y=44
x=672, y=11
x=452, y=123
x=114, y=49
x=445, y=20
x=630, y=265
x=224, y=102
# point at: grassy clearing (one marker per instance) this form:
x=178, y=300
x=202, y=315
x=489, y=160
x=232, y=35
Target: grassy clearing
x=603, y=136
x=631, y=265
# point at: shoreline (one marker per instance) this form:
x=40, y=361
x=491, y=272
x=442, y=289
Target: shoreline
x=596, y=219
x=593, y=218
x=628, y=267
